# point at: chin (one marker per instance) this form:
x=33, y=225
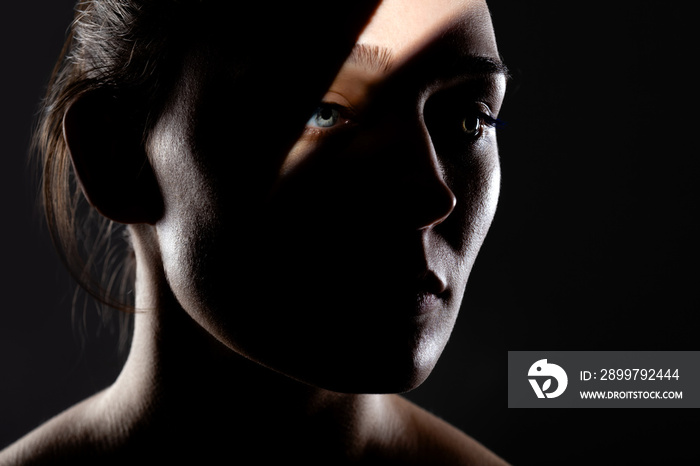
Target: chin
x=368, y=358
x=364, y=364
x=369, y=379
x=364, y=342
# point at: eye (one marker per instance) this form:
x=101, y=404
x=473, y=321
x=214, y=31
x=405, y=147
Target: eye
x=472, y=125
x=476, y=121
x=457, y=125
x=329, y=119
x=326, y=116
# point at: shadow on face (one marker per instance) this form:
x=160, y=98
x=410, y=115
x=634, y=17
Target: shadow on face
x=341, y=259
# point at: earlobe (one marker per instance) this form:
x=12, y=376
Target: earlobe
x=109, y=158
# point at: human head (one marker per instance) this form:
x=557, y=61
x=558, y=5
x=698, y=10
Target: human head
x=338, y=257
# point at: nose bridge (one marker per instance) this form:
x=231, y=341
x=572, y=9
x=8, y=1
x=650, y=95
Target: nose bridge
x=429, y=199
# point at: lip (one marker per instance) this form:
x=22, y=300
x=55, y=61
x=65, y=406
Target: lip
x=427, y=303
x=431, y=293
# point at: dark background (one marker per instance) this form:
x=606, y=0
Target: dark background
x=593, y=246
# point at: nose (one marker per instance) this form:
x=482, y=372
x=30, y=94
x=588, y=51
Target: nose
x=434, y=200
x=428, y=200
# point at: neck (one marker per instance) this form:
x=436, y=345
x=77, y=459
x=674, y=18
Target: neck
x=182, y=385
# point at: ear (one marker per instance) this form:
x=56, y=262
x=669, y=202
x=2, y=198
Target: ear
x=109, y=158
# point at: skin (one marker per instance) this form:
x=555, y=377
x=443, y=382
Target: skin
x=283, y=307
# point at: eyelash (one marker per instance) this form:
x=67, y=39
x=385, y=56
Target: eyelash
x=455, y=129
x=490, y=121
x=485, y=120
x=347, y=117
x=345, y=114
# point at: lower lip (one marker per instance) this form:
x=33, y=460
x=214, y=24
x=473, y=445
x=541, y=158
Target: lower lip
x=427, y=303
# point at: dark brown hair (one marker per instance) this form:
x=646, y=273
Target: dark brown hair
x=128, y=49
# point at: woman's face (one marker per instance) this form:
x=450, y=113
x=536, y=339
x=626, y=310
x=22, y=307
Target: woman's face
x=339, y=259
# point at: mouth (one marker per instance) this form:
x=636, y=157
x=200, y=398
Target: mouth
x=431, y=293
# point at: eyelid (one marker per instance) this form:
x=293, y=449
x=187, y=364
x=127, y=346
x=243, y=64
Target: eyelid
x=467, y=89
x=487, y=116
x=346, y=111
x=347, y=114
x=338, y=97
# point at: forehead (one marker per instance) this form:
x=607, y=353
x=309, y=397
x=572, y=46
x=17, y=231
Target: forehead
x=221, y=73
x=406, y=26
x=423, y=43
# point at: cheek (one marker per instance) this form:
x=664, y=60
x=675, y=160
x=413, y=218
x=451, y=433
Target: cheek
x=477, y=190
x=486, y=200
x=183, y=244
x=476, y=185
x=311, y=287
x=187, y=230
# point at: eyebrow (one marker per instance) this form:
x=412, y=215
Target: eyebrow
x=380, y=59
x=372, y=57
x=476, y=64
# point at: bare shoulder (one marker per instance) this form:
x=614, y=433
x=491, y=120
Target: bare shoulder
x=67, y=435
x=430, y=439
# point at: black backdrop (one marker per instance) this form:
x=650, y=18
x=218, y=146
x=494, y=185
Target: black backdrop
x=592, y=247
